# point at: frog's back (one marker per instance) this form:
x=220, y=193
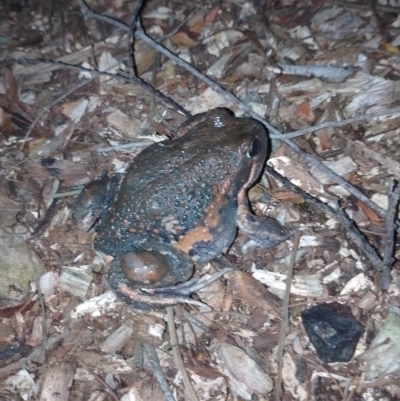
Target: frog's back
x=169, y=190
x=184, y=192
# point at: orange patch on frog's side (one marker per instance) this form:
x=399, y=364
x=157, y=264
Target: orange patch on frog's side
x=211, y=220
x=186, y=242
x=212, y=217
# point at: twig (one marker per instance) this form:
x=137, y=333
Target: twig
x=45, y=110
x=332, y=376
x=309, y=159
x=99, y=379
x=132, y=27
x=127, y=146
x=336, y=124
x=155, y=367
x=153, y=106
x=139, y=33
x=386, y=381
x=195, y=284
x=285, y=318
x=363, y=6
x=391, y=216
x=339, y=215
x=269, y=35
x=135, y=80
x=177, y=356
x=372, y=348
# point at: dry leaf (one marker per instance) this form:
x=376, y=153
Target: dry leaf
x=252, y=38
x=391, y=48
x=324, y=138
x=11, y=86
x=371, y=215
x=288, y=196
x=303, y=111
x=182, y=39
x=144, y=58
x=246, y=377
x=210, y=17
x=294, y=172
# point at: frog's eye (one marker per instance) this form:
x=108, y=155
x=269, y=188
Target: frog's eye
x=254, y=148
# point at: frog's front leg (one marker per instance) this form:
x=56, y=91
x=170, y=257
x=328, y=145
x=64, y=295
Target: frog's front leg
x=94, y=200
x=265, y=231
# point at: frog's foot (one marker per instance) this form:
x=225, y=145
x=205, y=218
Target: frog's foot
x=144, y=301
x=156, y=298
x=265, y=231
x=193, y=285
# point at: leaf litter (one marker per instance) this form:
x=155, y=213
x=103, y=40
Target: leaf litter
x=69, y=106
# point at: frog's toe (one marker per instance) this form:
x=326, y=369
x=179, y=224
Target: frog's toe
x=178, y=294
x=265, y=231
x=89, y=204
x=193, y=285
x=142, y=301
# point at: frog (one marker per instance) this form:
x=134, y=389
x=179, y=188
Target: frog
x=180, y=202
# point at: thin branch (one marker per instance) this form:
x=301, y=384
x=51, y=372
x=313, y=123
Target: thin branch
x=131, y=32
x=339, y=215
x=178, y=357
x=99, y=379
x=363, y=6
x=144, y=85
x=154, y=363
x=285, y=317
x=386, y=381
x=336, y=124
x=393, y=199
x=45, y=110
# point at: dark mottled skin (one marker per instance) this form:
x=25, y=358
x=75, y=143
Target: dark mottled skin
x=190, y=182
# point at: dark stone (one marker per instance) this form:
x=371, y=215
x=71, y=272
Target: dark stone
x=333, y=333
x=14, y=348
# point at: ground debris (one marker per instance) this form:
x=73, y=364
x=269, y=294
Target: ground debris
x=79, y=99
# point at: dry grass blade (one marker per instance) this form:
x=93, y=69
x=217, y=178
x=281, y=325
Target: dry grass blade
x=285, y=317
x=191, y=394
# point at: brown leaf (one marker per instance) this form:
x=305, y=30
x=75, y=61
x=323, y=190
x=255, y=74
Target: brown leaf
x=212, y=14
x=19, y=113
x=252, y=37
x=183, y=39
x=288, y=196
x=391, y=48
x=11, y=85
x=24, y=306
x=371, y=215
x=251, y=291
x=201, y=18
x=144, y=58
x=304, y=112
x=324, y=137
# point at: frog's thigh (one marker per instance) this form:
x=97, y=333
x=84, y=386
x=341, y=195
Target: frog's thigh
x=154, y=265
